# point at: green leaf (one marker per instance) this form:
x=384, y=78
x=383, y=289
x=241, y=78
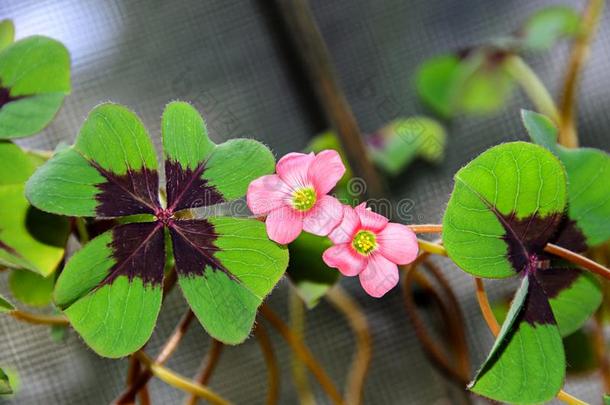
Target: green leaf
x=472, y=84
x=436, y=80
x=30, y=288
x=36, y=73
x=224, y=170
x=587, y=171
x=29, y=115
x=228, y=287
x=548, y=25
x=15, y=165
x=526, y=364
x=108, y=302
x=505, y=206
x=580, y=352
x=5, y=305
x=110, y=171
x=606, y=399
x=574, y=296
x=307, y=271
x=29, y=238
x=5, y=386
x=397, y=144
x=7, y=33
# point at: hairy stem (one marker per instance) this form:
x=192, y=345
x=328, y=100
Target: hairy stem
x=273, y=371
x=177, y=381
x=431, y=247
x=208, y=365
x=532, y=86
x=303, y=353
x=494, y=327
x=132, y=373
x=578, y=260
x=426, y=228
x=39, y=319
x=591, y=16
x=363, y=354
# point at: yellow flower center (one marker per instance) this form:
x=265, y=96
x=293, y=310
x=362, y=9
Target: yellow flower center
x=364, y=242
x=304, y=199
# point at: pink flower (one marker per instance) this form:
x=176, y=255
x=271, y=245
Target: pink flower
x=296, y=199
x=368, y=245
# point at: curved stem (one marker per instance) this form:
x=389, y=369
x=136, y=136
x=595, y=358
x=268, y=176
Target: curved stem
x=273, y=371
x=431, y=247
x=433, y=351
x=532, y=86
x=456, y=320
x=180, y=382
x=128, y=396
x=208, y=365
x=426, y=228
x=303, y=353
x=81, y=229
x=132, y=373
x=578, y=260
x=39, y=319
x=300, y=378
x=494, y=327
x=363, y=354
x=568, y=135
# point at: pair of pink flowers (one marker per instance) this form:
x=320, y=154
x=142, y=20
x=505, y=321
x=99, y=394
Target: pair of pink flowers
x=366, y=244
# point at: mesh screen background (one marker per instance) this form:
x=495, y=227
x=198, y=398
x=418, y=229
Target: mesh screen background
x=224, y=57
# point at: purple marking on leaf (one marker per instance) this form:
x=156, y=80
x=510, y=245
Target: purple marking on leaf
x=186, y=189
x=138, y=250
x=536, y=308
x=194, y=248
x=527, y=237
x=5, y=96
x=570, y=236
x=135, y=192
x=557, y=279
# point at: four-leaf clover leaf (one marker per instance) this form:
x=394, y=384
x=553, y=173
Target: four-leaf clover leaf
x=111, y=290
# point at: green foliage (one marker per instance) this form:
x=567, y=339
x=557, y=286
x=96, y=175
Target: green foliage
x=29, y=238
x=400, y=142
x=111, y=290
x=548, y=25
x=587, y=170
x=5, y=386
x=31, y=288
x=5, y=305
x=7, y=33
x=515, y=180
x=36, y=73
x=475, y=83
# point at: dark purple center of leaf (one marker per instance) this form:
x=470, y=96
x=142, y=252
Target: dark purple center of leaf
x=187, y=189
x=5, y=96
x=138, y=250
x=555, y=280
x=536, y=309
x=135, y=192
x=194, y=248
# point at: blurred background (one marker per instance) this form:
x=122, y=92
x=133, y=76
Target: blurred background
x=232, y=61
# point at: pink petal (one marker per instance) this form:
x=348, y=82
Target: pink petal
x=379, y=276
x=293, y=168
x=326, y=170
x=266, y=194
x=398, y=243
x=344, y=258
x=324, y=216
x=371, y=220
x=284, y=225
x=344, y=232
